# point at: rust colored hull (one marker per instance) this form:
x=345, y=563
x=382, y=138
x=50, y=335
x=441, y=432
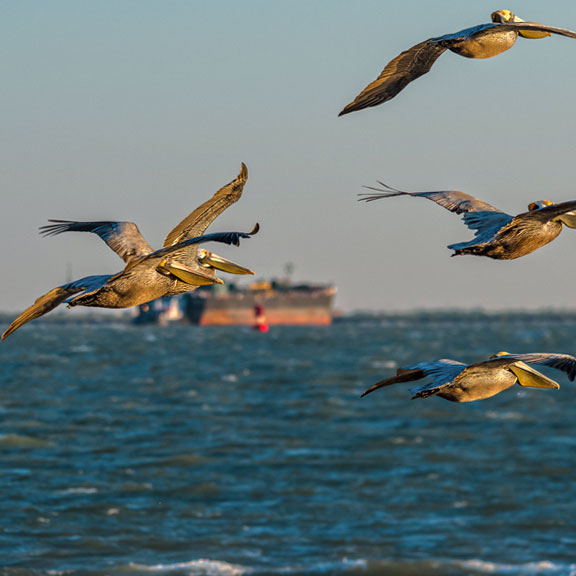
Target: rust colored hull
x=278, y=308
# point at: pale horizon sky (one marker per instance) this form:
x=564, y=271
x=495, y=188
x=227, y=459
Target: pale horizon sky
x=140, y=110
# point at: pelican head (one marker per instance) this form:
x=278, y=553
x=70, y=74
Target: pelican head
x=502, y=16
x=211, y=260
x=539, y=205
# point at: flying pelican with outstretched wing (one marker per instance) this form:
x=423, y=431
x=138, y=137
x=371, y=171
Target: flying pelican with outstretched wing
x=179, y=267
x=483, y=41
x=497, y=235
x=460, y=382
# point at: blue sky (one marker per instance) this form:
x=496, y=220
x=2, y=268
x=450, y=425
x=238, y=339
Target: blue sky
x=141, y=110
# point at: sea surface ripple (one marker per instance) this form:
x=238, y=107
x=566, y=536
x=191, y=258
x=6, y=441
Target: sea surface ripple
x=180, y=450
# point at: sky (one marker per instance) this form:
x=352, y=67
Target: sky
x=140, y=110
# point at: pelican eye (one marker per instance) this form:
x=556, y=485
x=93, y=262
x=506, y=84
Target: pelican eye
x=201, y=256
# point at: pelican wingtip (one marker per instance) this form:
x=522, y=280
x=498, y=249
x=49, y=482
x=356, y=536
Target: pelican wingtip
x=369, y=390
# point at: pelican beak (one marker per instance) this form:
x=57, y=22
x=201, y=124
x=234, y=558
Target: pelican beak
x=211, y=260
x=532, y=34
x=569, y=219
x=531, y=378
x=503, y=16
x=185, y=274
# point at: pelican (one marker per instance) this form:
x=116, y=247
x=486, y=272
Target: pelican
x=460, y=382
x=179, y=267
x=483, y=41
x=498, y=235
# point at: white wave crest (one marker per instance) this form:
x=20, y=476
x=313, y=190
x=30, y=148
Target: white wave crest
x=530, y=568
x=200, y=567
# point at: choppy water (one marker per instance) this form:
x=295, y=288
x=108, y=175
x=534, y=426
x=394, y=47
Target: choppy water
x=221, y=451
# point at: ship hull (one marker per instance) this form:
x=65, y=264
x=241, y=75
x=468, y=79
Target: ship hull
x=277, y=308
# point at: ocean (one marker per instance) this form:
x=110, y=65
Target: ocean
x=221, y=451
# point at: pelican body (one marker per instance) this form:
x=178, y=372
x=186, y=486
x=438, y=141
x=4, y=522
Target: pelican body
x=498, y=235
x=458, y=382
x=179, y=267
x=483, y=41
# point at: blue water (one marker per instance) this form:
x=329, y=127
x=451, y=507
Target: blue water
x=222, y=451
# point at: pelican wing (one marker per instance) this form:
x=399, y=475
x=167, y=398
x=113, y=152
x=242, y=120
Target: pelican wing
x=563, y=362
x=407, y=67
x=485, y=224
x=196, y=223
x=397, y=74
x=476, y=214
x=52, y=299
x=402, y=375
x=465, y=34
x=453, y=200
x=123, y=237
x=442, y=372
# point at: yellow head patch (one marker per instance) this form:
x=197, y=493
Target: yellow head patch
x=499, y=354
x=503, y=16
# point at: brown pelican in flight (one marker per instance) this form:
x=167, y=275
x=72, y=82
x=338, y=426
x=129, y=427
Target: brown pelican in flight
x=179, y=267
x=498, y=235
x=483, y=41
x=460, y=382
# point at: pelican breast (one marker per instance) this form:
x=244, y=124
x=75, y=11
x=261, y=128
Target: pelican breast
x=484, y=44
x=478, y=382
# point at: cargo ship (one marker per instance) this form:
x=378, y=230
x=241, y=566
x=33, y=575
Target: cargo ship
x=260, y=304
